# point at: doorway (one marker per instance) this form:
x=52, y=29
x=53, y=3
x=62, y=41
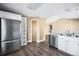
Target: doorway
x=34, y=31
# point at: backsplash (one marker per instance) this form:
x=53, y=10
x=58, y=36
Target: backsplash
x=62, y=26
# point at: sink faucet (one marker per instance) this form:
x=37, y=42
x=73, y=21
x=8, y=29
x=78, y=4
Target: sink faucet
x=68, y=32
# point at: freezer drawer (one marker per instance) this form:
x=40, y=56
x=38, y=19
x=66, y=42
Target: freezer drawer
x=10, y=46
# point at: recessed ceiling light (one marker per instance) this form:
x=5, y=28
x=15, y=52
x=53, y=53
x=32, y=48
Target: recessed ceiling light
x=77, y=9
x=67, y=10
x=34, y=6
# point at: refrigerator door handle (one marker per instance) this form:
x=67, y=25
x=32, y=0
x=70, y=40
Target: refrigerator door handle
x=3, y=29
x=10, y=41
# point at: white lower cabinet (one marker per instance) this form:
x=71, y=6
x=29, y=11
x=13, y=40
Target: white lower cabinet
x=61, y=43
x=69, y=45
x=73, y=46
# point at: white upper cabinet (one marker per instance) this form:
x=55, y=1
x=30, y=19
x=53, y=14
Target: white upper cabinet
x=9, y=15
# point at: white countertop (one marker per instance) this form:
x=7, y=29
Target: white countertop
x=62, y=35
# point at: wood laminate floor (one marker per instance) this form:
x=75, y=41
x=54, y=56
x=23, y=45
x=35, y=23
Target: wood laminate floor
x=38, y=49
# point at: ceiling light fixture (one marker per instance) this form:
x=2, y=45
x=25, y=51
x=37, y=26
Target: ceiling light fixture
x=67, y=10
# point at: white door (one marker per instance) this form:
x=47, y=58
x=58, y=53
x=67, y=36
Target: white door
x=61, y=43
x=73, y=46
x=34, y=31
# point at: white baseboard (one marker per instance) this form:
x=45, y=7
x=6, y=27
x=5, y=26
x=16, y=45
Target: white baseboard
x=41, y=40
x=29, y=41
x=37, y=41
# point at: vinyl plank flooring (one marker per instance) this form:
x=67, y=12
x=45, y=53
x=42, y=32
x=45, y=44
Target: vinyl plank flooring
x=38, y=49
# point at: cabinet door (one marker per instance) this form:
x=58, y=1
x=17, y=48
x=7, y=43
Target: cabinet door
x=73, y=46
x=62, y=43
x=24, y=31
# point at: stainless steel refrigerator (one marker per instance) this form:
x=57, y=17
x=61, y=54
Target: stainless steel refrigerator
x=10, y=35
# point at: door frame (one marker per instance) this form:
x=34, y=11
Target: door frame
x=36, y=28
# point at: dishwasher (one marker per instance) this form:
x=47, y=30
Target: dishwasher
x=53, y=41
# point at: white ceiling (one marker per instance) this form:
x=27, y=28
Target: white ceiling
x=48, y=10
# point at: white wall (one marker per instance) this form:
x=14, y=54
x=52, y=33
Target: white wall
x=41, y=28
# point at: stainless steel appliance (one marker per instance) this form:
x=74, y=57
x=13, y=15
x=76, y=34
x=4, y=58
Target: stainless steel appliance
x=10, y=35
x=53, y=41
x=0, y=36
